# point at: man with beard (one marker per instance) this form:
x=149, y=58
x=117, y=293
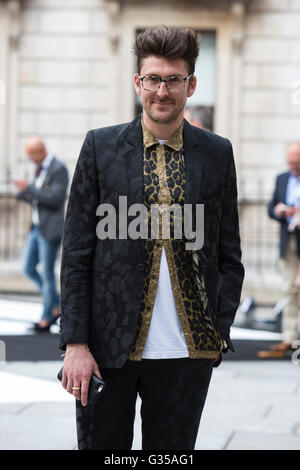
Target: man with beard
x=149, y=315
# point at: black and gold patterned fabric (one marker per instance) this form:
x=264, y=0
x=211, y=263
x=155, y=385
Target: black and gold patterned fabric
x=102, y=280
x=164, y=184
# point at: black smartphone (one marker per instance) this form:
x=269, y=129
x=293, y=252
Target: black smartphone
x=96, y=387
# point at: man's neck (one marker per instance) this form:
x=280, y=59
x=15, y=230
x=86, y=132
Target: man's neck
x=47, y=160
x=162, y=131
x=42, y=160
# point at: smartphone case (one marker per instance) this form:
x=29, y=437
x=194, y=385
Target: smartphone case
x=96, y=387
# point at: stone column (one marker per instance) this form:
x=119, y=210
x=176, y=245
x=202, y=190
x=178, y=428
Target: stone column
x=9, y=41
x=13, y=7
x=113, y=8
x=237, y=41
x=3, y=85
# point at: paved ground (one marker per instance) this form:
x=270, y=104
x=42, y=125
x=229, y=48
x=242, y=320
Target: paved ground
x=250, y=405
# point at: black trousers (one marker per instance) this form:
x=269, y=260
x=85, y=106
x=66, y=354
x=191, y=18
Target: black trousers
x=173, y=393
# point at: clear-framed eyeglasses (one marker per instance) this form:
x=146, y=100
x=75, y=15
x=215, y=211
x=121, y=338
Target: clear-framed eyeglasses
x=174, y=83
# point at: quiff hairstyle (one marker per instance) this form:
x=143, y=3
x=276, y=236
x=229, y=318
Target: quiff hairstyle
x=168, y=41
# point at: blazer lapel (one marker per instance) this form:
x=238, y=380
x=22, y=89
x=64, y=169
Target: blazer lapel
x=49, y=172
x=194, y=164
x=133, y=153
x=134, y=162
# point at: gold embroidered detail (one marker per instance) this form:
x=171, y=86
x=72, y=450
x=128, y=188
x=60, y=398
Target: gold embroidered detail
x=178, y=296
x=136, y=355
x=164, y=194
x=199, y=280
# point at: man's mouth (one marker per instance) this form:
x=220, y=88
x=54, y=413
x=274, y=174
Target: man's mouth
x=163, y=103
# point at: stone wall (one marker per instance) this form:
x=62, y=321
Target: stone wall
x=270, y=112
x=270, y=118
x=68, y=63
x=64, y=74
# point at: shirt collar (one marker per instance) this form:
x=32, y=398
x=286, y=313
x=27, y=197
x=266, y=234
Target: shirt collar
x=175, y=142
x=47, y=161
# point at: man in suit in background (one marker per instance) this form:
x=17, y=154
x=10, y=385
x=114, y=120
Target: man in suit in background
x=283, y=207
x=151, y=313
x=46, y=194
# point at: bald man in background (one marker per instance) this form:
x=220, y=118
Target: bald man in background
x=283, y=207
x=46, y=194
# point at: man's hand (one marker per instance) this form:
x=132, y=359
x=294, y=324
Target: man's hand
x=79, y=365
x=21, y=184
x=281, y=210
x=220, y=353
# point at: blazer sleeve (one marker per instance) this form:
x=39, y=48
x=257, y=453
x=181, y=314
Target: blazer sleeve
x=230, y=267
x=79, y=240
x=274, y=201
x=52, y=197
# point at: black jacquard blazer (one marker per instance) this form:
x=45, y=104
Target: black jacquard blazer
x=102, y=280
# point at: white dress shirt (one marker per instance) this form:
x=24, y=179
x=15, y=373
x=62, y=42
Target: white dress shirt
x=38, y=182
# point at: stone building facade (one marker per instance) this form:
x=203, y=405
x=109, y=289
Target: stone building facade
x=66, y=66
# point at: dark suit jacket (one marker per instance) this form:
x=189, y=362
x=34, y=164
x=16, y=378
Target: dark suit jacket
x=51, y=200
x=102, y=280
x=280, y=195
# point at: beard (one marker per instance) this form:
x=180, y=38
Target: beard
x=169, y=117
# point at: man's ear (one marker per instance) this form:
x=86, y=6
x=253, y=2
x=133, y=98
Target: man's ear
x=137, y=84
x=192, y=86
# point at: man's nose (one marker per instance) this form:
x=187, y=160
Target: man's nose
x=163, y=90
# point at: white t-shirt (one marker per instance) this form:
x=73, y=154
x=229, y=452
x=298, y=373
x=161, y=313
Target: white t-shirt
x=165, y=338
